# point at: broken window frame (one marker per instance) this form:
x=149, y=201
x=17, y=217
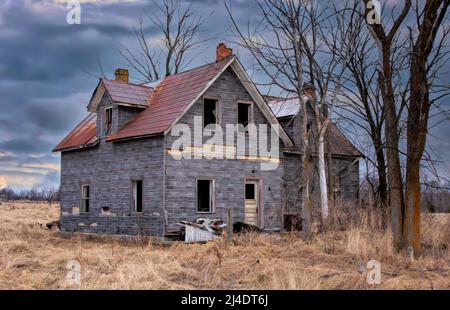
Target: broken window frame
x=135, y=206
x=85, y=198
x=212, y=195
x=108, y=120
x=249, y=113
x=217, y=114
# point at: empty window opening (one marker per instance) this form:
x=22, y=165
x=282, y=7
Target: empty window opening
x=136, y=196
x=205, y=195
x=250, y=191
x=85, y=196
x=244, y=113
x=210, y=112
x=108, y=120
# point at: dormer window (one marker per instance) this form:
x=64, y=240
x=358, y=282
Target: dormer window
x=108, y=120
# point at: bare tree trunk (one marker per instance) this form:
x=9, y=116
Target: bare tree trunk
x=382, y=177
x=367, y=106
x=418, y=116
x=382, y=181
x=393, y=157
x=306, y=191
x=323, y=178
x=330, y=168
x=385, y=75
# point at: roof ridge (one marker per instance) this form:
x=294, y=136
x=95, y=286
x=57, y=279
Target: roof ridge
x=128, y=83
x=195, y=68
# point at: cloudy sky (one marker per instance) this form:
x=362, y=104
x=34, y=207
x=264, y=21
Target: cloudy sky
x=49, y=69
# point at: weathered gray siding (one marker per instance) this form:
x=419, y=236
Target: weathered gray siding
x=109, y=168
x=126, y=114
x=345, y=178
x=345, y=169
x=181, y=175
x=106, y=102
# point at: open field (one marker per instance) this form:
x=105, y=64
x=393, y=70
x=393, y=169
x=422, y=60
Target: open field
x=32, y=257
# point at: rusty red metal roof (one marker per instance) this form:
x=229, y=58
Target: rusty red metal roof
x=169, y=101
x=128, y=93
x=83, y=135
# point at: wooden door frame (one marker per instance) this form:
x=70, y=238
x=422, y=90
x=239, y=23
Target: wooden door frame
x=259, y=200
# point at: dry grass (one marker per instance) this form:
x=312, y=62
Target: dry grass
x=32, y=257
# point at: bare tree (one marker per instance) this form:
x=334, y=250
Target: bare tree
x=361, y=105
x=178, y=29
x=384, y=40
x=328, y=52
x=424, y=57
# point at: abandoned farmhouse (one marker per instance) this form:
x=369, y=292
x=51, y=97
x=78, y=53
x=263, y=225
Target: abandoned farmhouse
x=119, y=174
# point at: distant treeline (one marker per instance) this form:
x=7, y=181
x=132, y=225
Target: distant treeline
x=435, y=196
x=35, y=194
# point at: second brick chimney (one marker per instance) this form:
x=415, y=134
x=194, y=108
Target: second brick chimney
x=223, y=52
x=121, y=75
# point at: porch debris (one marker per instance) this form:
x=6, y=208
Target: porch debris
x=202, y=229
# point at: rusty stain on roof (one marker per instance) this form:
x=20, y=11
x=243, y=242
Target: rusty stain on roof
x=84, y=135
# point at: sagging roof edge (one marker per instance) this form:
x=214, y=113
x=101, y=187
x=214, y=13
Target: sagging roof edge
x=78, y=147
x=135, y=137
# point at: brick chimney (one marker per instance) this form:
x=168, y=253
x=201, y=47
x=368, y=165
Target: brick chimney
x=309, y=90
x=223, y=52
x=121, y=75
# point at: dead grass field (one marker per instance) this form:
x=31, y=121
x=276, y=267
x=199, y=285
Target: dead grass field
x=32, y=257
